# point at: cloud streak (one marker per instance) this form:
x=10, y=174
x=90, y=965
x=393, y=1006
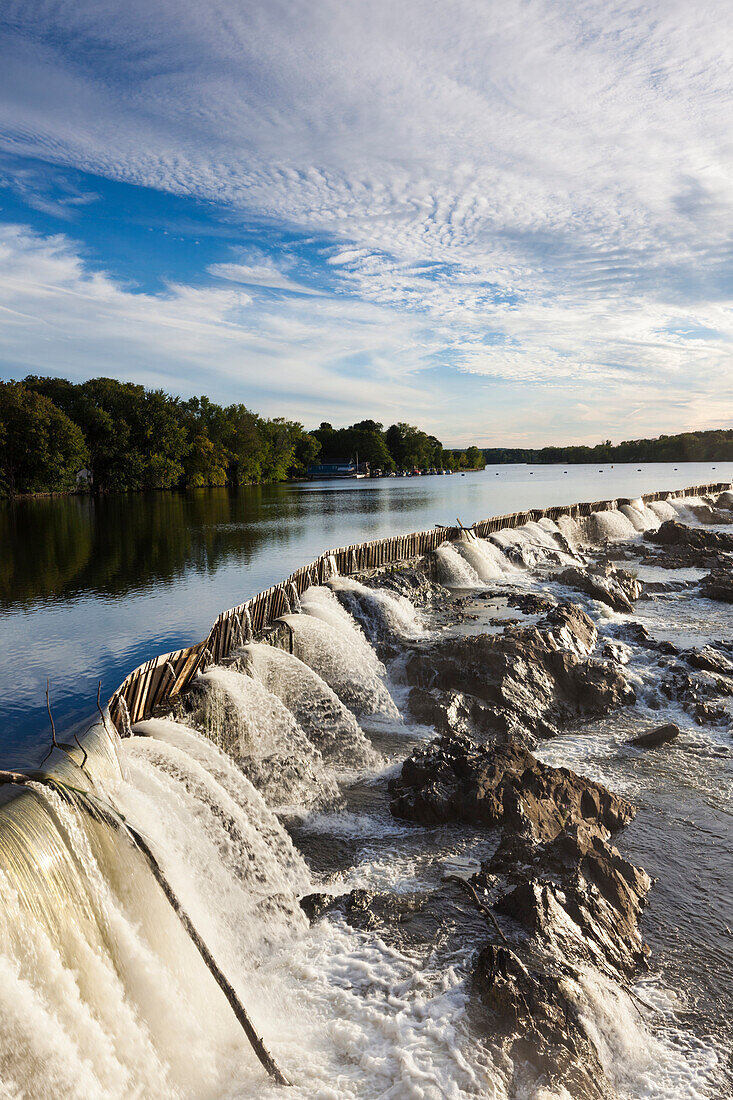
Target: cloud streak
x=519, y=193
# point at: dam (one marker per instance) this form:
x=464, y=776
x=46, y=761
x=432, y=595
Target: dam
x=303, y=777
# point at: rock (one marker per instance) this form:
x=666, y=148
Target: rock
x=725, y=500
x=453, y=779
x=718, y=585
x=617, y=651
x=703, y=513
x=674, y=533
x=698, y=695
x=534, y=1024
x=639, y=635
x=652, y=739
x=709, y=659
x=531, y=603
x=580, y=880
x=614, y=587
x=409, y=581
x=526, y=678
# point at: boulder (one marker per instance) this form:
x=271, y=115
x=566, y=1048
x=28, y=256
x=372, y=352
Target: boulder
x=674, y=533
x=718, y=585
x=524, y=679
x=614, y=587
x=661, y=735
x=709, y=659
x=453, y=779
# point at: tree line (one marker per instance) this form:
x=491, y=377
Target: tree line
x=120, y=436
x=711, y=446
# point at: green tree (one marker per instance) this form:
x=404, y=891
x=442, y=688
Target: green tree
x=41, y=449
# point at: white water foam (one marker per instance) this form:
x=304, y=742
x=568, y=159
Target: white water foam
x=486, y=559
x=455, y=571
x=383, y=613
x=253, y=726
x=326, y=721
x=329, y=641
x=611, y=524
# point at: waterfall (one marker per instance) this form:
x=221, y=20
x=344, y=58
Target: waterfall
x=257, y=730
x=102, y=994
x=611, y=524
x=382, y=614
x=663, y=510
x=453, y=570
x=327, y=723
x=640, y=517
x=486, y=559
x=327, y=639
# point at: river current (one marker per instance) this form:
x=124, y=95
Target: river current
x=91, y=588
x=271, y=783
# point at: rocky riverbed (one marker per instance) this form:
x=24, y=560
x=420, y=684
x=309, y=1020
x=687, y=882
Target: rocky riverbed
x=546, y=898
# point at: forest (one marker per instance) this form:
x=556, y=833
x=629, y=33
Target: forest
x=110, y=436
x=711, y=446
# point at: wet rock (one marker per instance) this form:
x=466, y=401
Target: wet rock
x=614, y=587
x=699, y=696
x=709, y=659
x=410, y=581
x=580, y=897
x=453, y=779
x=638, y=634
x=725, y=500
x=704, y=513
x=527, y=678
x=652, y=739
x=537, y=1028
x=617, y=651
x=718, y=585
x=674, y=533
x=531, y=603
x=457, y=712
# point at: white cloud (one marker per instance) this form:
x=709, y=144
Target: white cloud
x=533, y=193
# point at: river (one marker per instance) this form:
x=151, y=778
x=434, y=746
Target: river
x=92, y=587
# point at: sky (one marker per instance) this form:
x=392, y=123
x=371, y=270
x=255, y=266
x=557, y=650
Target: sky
x=507, y=221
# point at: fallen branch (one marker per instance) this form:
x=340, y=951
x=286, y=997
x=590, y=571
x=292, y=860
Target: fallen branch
x=480, y=905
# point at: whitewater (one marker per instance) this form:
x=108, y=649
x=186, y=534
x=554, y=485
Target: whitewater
x=267, y=784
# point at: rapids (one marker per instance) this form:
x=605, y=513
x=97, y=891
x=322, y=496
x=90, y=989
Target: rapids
x=264, y=786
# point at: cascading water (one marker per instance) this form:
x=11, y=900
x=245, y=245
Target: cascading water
x=328, y=724
x=663, y=510
x=382, y=614
x=486, y=559
x=328, y=639
x=103, y=995
x=640, y=517
x=453, y=569
x=357, y=681
x=610, y=524
x=256, y=729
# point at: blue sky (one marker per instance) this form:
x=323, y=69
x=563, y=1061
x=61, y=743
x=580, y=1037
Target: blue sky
x=509, y=221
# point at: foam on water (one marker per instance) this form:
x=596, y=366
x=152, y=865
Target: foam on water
x=454, y=570
x=317, y=709
x=486, y=559
x=611, y=524
x=330, y=642
x=257, y=730
x=382, y=614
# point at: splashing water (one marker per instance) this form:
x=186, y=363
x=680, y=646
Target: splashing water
x=453, y=569
x=257, y=730
x=486, y=559
x=610, y=525
x=327, y=723
x=382, y=614
x=663, y=510
x=640, y=517
x=344, y=659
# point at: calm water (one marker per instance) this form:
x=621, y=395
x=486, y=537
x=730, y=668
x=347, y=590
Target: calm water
x=89, y=589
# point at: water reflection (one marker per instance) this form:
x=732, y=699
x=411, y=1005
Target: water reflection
x=91, y=588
